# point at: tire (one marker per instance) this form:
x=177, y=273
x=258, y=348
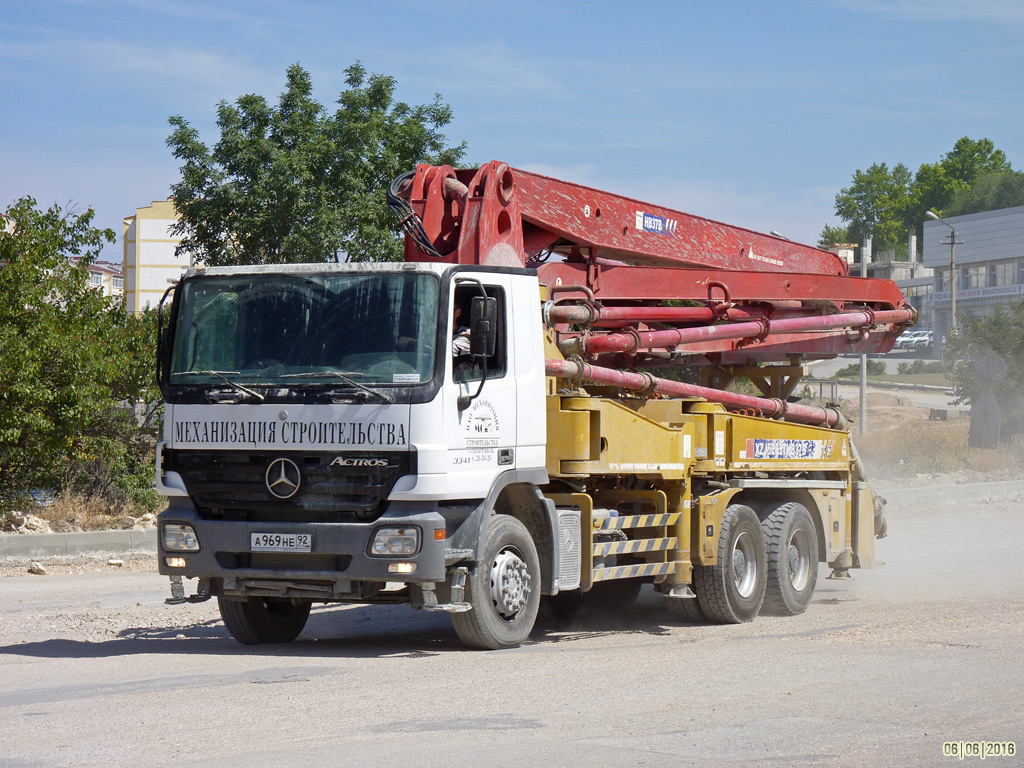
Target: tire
x=614, y=595
x=504, y=588
x=791, y=543
x=686, y=610
x=731, y=591
x=259, y=620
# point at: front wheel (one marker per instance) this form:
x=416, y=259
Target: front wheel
x=504, y=588
x=258, y=620
x=732, y=590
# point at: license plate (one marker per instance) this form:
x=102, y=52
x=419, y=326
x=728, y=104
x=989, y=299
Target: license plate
x=281, y=542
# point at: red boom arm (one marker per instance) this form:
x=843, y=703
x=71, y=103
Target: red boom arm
x=607, y=251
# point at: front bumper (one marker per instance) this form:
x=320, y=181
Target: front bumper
x=338, y=555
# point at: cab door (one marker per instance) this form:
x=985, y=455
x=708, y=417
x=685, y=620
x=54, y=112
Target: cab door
x=481, y=435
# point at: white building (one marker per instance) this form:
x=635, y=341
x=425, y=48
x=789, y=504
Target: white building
x=105, y=276
x=989, y=263
x=150, y=266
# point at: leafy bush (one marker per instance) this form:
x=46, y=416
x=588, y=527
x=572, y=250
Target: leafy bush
x=74, y=367
x=875, y=368
x=1002, y=334
x=922, y=366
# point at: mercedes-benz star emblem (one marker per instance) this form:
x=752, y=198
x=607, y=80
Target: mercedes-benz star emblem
x=283, y=478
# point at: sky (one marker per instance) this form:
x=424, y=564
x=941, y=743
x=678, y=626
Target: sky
x=751, y=113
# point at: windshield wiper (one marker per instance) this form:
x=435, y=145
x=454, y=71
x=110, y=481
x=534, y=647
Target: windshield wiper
x=346, y=377
x=222, y=375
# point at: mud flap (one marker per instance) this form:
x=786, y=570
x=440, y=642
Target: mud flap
x=865, y=525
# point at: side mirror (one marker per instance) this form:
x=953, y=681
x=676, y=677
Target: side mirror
x=483, y=324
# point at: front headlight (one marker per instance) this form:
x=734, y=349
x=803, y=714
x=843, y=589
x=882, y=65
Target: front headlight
x=396, y=542
x=180, y=538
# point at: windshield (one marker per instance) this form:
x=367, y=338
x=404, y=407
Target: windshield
x=341, y=329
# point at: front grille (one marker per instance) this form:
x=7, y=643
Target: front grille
x=283, y=561
x=228, y=485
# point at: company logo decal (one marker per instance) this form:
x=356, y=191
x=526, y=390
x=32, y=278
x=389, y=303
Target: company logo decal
x=789, y=449
x=648, y=222
x=283, y=478
x=482, y=418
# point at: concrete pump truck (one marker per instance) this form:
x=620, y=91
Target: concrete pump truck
x=328, y=439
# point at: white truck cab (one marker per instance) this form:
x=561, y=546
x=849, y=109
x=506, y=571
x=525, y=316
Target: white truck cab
x=321, y=441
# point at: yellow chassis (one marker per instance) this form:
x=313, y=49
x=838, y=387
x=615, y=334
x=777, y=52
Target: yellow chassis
x=669, y=469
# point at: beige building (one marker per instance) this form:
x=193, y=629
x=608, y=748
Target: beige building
x=150, y=266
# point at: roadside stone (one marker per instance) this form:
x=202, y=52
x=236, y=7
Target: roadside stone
x=148, y=520
x=116, y=563
x=32, y=524
x=37, y=569
x=15, y=519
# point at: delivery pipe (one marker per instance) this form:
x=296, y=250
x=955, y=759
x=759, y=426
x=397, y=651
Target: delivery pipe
x=585, y=314
x=636, y=340
x=644, y=383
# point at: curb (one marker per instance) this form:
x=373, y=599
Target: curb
x=947, y=493
x=86, y=542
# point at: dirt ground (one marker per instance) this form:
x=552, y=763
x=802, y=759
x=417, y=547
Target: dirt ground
x=883, y=668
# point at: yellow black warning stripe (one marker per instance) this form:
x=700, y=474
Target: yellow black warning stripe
x=636, y=521
x=636, y=545
x=629, y=571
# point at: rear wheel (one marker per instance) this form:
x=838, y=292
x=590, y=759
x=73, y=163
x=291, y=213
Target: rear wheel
x=259, y=620
x=504, y=588
x=732, y=590
x=792, y=559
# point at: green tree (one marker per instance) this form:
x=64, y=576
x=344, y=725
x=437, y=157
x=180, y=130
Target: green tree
x=1002, y=334
x=70, y=361
x=970, y=159
x=832, y=235
x=293, y=183
x=888, y=204
x=875, y=204
x=989, y=192
x=933, y=189
x=936, y=185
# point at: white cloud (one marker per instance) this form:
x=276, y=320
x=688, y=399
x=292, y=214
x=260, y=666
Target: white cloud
x=177, y=73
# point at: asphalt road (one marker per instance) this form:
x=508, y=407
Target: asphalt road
x=882, y=669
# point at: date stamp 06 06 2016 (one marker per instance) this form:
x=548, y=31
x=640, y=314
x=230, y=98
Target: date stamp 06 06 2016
x=978, y=749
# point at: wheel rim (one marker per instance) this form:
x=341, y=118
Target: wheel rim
x=744, y=564
x=510, y=584
x=798, y=550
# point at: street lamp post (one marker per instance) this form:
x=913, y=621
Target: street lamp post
x=952, y=266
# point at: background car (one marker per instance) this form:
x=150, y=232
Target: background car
x=909, y=339
x=926, y=339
